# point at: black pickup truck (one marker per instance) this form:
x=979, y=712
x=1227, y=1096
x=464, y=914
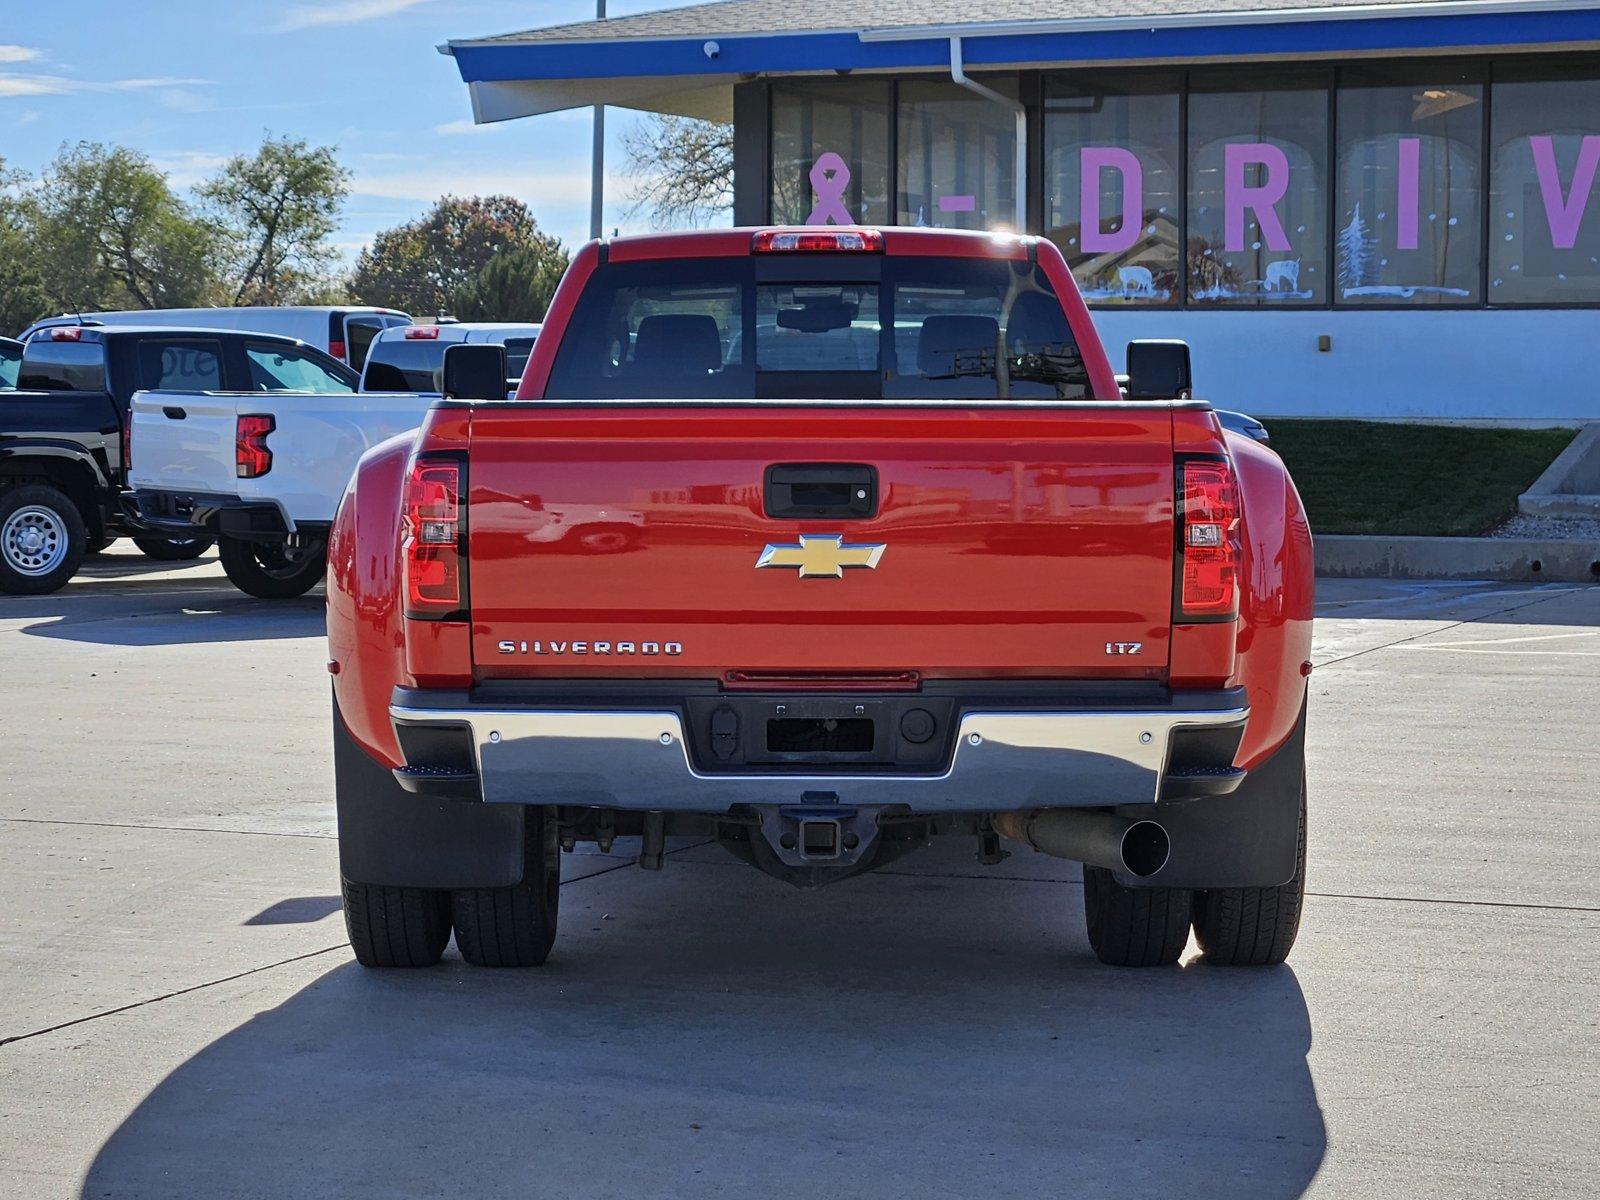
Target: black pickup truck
x=64, y=447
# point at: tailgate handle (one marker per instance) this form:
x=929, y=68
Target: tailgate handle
x=842, y=491
x=173, y=411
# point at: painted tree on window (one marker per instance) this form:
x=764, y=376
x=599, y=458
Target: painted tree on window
x=1358, y=254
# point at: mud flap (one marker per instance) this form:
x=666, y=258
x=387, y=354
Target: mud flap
x=390, y=837
x=1247, y=839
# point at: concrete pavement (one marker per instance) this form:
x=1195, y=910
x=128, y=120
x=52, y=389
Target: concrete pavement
x=186, y=1019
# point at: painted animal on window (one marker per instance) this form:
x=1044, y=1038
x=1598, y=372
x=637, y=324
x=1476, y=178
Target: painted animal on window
x=1283, y=276
x=1136, y=281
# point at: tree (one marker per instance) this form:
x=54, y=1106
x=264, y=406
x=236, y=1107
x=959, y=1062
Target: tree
x=116, y=236
x=421, y=265
x=514, y=286
x=684, y=169
x=1358, y=257
x=22, y=296
x=275, y=210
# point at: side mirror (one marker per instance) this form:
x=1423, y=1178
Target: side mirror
x=1159, y=370
x=474, y=371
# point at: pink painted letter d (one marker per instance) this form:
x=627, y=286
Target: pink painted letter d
x=1094, y=160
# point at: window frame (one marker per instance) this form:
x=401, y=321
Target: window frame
x=1032, y=85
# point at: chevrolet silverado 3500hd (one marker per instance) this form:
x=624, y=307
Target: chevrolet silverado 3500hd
x=900, y=563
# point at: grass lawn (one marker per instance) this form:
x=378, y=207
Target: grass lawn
x=1376, y=477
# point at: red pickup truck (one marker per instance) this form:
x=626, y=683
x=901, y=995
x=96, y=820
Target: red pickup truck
x=822, y=544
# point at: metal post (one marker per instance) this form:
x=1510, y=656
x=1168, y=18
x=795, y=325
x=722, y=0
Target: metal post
x=597, y=178
x=958, y=75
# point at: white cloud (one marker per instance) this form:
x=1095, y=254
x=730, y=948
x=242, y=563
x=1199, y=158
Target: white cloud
x=26, y=117
x=185, y=168
x=341, y=12
x=16, y=54
x=534, y=186
x=458, y=128
x=61, y=85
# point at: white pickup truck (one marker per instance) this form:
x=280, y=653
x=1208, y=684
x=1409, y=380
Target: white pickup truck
x=261, y=470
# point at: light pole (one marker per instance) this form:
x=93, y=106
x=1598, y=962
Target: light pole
x=597, y=193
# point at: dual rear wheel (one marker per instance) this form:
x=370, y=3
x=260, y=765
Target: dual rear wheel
x=494, y=927
x=1235, y=927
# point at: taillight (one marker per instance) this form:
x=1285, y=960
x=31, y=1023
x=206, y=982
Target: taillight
x=422, y=333
x=67, y=333
x=127, y=440
x=791, y=241
x=251, y=458
x=337, y=350
x=434, y=540
x=1208, y=541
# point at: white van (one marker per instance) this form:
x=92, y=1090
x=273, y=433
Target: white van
x=344, y=331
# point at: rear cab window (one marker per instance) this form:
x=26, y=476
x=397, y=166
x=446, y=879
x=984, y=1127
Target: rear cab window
x=518, y=350
x=64, y=366
x=360, y=331
x=10, y=364
x=399, y=364
x=179, y=365
x=820, y=327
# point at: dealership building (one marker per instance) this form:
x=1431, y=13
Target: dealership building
x=1382, y=208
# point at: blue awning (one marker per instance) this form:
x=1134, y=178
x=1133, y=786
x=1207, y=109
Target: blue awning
x=687, y=60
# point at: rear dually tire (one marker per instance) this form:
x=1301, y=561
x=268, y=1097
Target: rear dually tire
x=395, y=926
x=514, y=926
x=1253, y=927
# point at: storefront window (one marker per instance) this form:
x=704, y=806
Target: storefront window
x=1258, y=166
x=957, y=167
x=1410, y=187
x=830, y=152
x=1113, y=187
x=1544, y=220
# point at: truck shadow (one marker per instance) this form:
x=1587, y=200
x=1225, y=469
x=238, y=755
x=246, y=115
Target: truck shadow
x=711, y=1031
x=168, y=613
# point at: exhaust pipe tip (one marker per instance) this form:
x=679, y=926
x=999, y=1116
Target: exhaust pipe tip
x=1145, y=848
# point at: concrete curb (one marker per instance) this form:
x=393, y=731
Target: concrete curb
x=1351, y=556
x=1570, y=486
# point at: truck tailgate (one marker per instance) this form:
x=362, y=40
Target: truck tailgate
x=183, y=441
x=1017, y=539
x=316, y=441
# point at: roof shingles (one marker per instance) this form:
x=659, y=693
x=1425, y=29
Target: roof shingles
x=726, y=18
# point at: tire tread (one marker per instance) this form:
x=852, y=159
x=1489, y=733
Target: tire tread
x=395, y=926
x=1134, y=927
x=1253, y=927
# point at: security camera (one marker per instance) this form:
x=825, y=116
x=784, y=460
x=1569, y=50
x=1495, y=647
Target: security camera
x=712, y=50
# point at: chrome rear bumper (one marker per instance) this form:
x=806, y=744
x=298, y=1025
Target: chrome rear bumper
x=638, y=759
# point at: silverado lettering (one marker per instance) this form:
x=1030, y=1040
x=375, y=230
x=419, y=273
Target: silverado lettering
x=1088, y=640
x=540, y=647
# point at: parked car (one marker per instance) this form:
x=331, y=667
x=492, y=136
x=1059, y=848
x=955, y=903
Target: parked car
x=412, y=359
x=10, y=361
x=906, y=567
x=344, y=331
x=64, y=436
x=261, y=473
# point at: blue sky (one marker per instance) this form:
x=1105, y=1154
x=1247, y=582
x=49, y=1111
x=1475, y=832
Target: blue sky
x=192, y=82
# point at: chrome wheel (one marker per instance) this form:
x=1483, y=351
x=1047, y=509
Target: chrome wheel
x=34, y=540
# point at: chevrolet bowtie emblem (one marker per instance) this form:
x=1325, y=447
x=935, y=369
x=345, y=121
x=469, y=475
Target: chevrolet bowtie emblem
x=821, y=556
